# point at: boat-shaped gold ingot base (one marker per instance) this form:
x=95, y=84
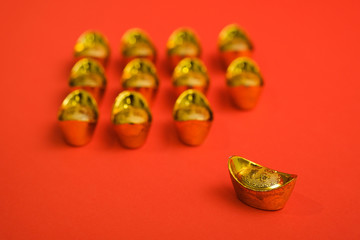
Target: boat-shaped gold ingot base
x=233, y=43
x=193, y=117
x=258, y=186
x=131, y=118
x=137, y=44
x=182, y=43
x=92, y=44
x=78, y=117
x=244, y=83
x=190, y=73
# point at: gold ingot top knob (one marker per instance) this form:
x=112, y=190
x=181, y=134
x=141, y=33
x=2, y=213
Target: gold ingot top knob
x=182, y=43
x=136, y=43
x=190, y=73
x=233, y=42
x=89, y=75
x=258, y=186
x=92, y=44
x=243, y=72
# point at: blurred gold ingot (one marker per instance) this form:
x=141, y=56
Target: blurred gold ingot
x=136, y=44
x=92, y=44
x=233, y=43
x=193, y=117
x=244, y=82
x=140, y=75
x=131, y=118
x=258, y=186
x=182, y=43
x=190, y=73
x=89, y=75
x=77, y=117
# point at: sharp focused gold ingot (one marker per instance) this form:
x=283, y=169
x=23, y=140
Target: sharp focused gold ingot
x=92, y=44
x=77, y=117
x=193, y=117
x=182, y=43
x=136, y=44
x=233, y=43
x=190, y=73
x=258, y=186
x=131, y=118
x=244, y=82
x=89, y=75
x=140, y=75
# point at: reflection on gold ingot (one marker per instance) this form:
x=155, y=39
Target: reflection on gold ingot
x=131, y=118
x=244, y=83
x=140, y=75
x=77, y=117
x=190, y=73
x=94, y=45
x=258, y=186
x=182, y=43
x=193, y=117
x=136, y=44
x=89, y=75
x=233, y=43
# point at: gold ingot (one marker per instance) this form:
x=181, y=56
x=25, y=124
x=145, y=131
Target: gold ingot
x=244, y=82
x=131, y=118
x=182, y=43
x=92, y=44
x=233, y=43
x=89, y=75
x=137, y=44
x=258, y=186
x=140, y=75
x=78, y=116
x=190, y=73
x=193, y=117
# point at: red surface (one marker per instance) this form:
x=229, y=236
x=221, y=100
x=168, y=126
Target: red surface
x=307, y=122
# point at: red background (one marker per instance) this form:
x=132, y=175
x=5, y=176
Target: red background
x=306, y=122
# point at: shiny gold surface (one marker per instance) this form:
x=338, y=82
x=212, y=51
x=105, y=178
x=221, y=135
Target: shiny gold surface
x=136, y=44
x=140, y=75
x=77, y=117
x=233, y=43
x=193, y=117
x=89, y=75
x=244, y=82
x=190, y=73
x=258, y=186
x=182, y=43
x=94, y=45
x=131, y=118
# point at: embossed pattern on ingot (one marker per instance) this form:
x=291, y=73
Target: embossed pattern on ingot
x=258, y=177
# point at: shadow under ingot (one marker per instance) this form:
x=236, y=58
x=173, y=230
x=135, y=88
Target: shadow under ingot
x=136, y=43
x=78, y=117
x=233, y=43
x=182, y=43
x=89, y=75
x=131, y=118
x=258, y=186
x=193, y=117
x=92, y=44
x=244, y=82
x=190, y=73
x=140, y=75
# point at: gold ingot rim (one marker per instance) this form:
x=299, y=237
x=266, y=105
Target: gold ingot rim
x=242, y=65
x=87, y=67
x=89, y=40
x=178, y=37
x=133, y=99
x=139, y=66
x=131, y=40
x=75, y=99
x=187, y=66
x=229, y=34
